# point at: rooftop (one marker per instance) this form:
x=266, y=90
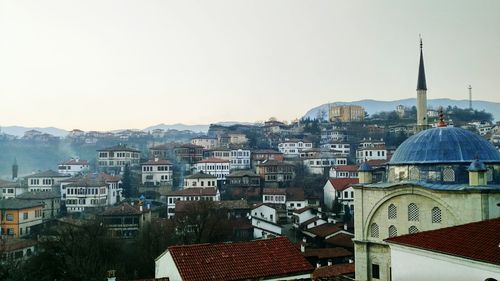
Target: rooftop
x=17, y=204
x=47, y=174
x=213, y=160
x=340, y=184
x=41, y=195
x=200, y=175
x=124, y=209
x=327, y=272
x=239, y=261
x=119, y=147
x=157, y=162
x=477, y=241
x=194, y=191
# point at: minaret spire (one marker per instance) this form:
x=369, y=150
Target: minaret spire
x=421, y=93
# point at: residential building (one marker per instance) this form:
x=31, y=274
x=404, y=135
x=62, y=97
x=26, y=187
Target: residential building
x=347, y=113
x=162, y=151
x=237, y=138
x=188, y=153
x=73, y=167
x=340, y=147
x=463, y=252
x=219, y=152
x=205, y=141
x=344, y=171
x=375, y=152
x=321, y=164
x=45, y=181
x=51, y=201
x=329, y=135
x=274, y=195
x=275, y=172
x=200, y=179
x=243, y=178
x=19, y=217
x=92, y=191
x=156, y=172
x=307, y=217
x=216, y=167
x=209, y=193
x=267, y=220
x=293, y=147
x=125, y=220
x=16, y=250
x=10, y=189
x=240, y=159
x=270, y=259
x=261, y=155
x=117, y=157
x=340, y=190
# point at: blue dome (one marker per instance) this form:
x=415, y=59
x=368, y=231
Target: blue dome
x=445, y=145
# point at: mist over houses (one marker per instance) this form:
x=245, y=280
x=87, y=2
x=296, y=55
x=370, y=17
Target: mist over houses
x=345, y=197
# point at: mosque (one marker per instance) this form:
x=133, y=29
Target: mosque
x=439, y=177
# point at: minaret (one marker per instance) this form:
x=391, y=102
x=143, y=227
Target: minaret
x=421, y=94
x=15, y=169
x=470, y=97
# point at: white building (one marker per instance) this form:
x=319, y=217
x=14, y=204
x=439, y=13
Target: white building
x=274, y=195
x=200, y=180
x=45, y=181
x=216, y=167
x=73, y=167
x=156, y=172
x=91, y=191
x=240, y=159
x=266, y=220
x=293, y=148
x=462, y=253
x=321, y=163
x=205, y=141
x=367, y=153
x=340, y=147
x=339, y=189
x=237, y=138
x=208, y=193
x=333, y=135
x=116, y=157
x=344, y=171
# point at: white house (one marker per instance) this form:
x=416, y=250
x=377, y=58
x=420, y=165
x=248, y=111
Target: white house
x=340, y=147
x=274, y=195
x=116, y=157
x=307, y=217
x=344, y=171
x=45, y=181
x=268, y=259
x=73, y=167
x=464, y=252
x=216, y=167
x=239, y=159
x=205, y=141
x=156, y=172
x=340, y=189
x=266, y=220
x=191, y=194
x=374, y=152
x=91, y=191
x=200, y=180
x=319, y=164
x=335, y=134
x=293, y=148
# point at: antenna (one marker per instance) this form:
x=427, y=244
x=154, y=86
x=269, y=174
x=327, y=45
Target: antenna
x=470, y=97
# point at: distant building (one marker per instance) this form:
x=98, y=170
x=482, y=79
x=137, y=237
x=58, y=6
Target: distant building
x=125, y=220
x=371, y=151
x=243, y=178
x=51, y=201
x=116, y=157
x=339, y=189
x=239, y=159
x=91, y=191
x=340, y=147
x=275, y=172
x=200, y=179
x=216, y=167
x=344, y=171
x=17, y=250
x=45, y=181
x=260, y=155
x=293, y=147
x=188, y=153
x=207, y=193
x=333, y=135
x=73, y=167
x=267, y=220
x=156, y=172
x=10, y=189
x=19, y=217
x=347, y=113
x=205, y=141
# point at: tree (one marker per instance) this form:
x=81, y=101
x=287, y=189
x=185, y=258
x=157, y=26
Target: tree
x=127, y=182
x=336, y=206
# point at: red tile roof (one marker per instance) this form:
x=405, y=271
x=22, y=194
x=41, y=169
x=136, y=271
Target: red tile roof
x=322, y=273
x=477, y=241
x=343, y=183
x=274, y=191
x=377, y=163
x=301, y=210
x=346, y=168
x=213, y=160
x=342, y=240
x=325, y=229
x=327, y=253
x=194, y=191
x=295, y=194
x=239, y=261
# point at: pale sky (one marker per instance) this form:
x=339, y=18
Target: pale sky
x=101, y=65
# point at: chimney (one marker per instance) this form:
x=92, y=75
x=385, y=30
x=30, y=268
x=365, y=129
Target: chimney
x=351, y=261
x=156, y=159
x=345, y=226
x=319, y=209
x=318, y=265
x=302, y=247
x=141, y=209
x=330, y=262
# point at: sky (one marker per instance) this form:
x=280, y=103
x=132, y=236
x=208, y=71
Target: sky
x=114, y=64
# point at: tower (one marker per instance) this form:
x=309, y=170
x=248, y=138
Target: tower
x=470, y=97
x=15, y=169
x=421, y=94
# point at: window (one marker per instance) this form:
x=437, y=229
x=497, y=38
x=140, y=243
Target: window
x=412, y=229
x=393, y=231
x=374, y=230
x=413, y=212
x=25, y=216
x=436, y=215
x=392, y=212
x=448, y=175
x=10, y=217
x=375, y=271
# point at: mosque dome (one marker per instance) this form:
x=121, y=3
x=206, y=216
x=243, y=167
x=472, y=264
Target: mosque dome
x=444, y=145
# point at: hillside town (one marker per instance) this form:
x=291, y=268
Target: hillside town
x=347, y=197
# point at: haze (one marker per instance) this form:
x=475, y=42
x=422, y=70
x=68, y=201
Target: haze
x=102, y=65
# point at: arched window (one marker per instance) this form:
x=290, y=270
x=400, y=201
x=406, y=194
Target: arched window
x=392, y=212
x=374, y=230
x=448, y=175
x=414, y=174
x=413, y=212
x=393, y=231
x=436, y=215
x=412, y=229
